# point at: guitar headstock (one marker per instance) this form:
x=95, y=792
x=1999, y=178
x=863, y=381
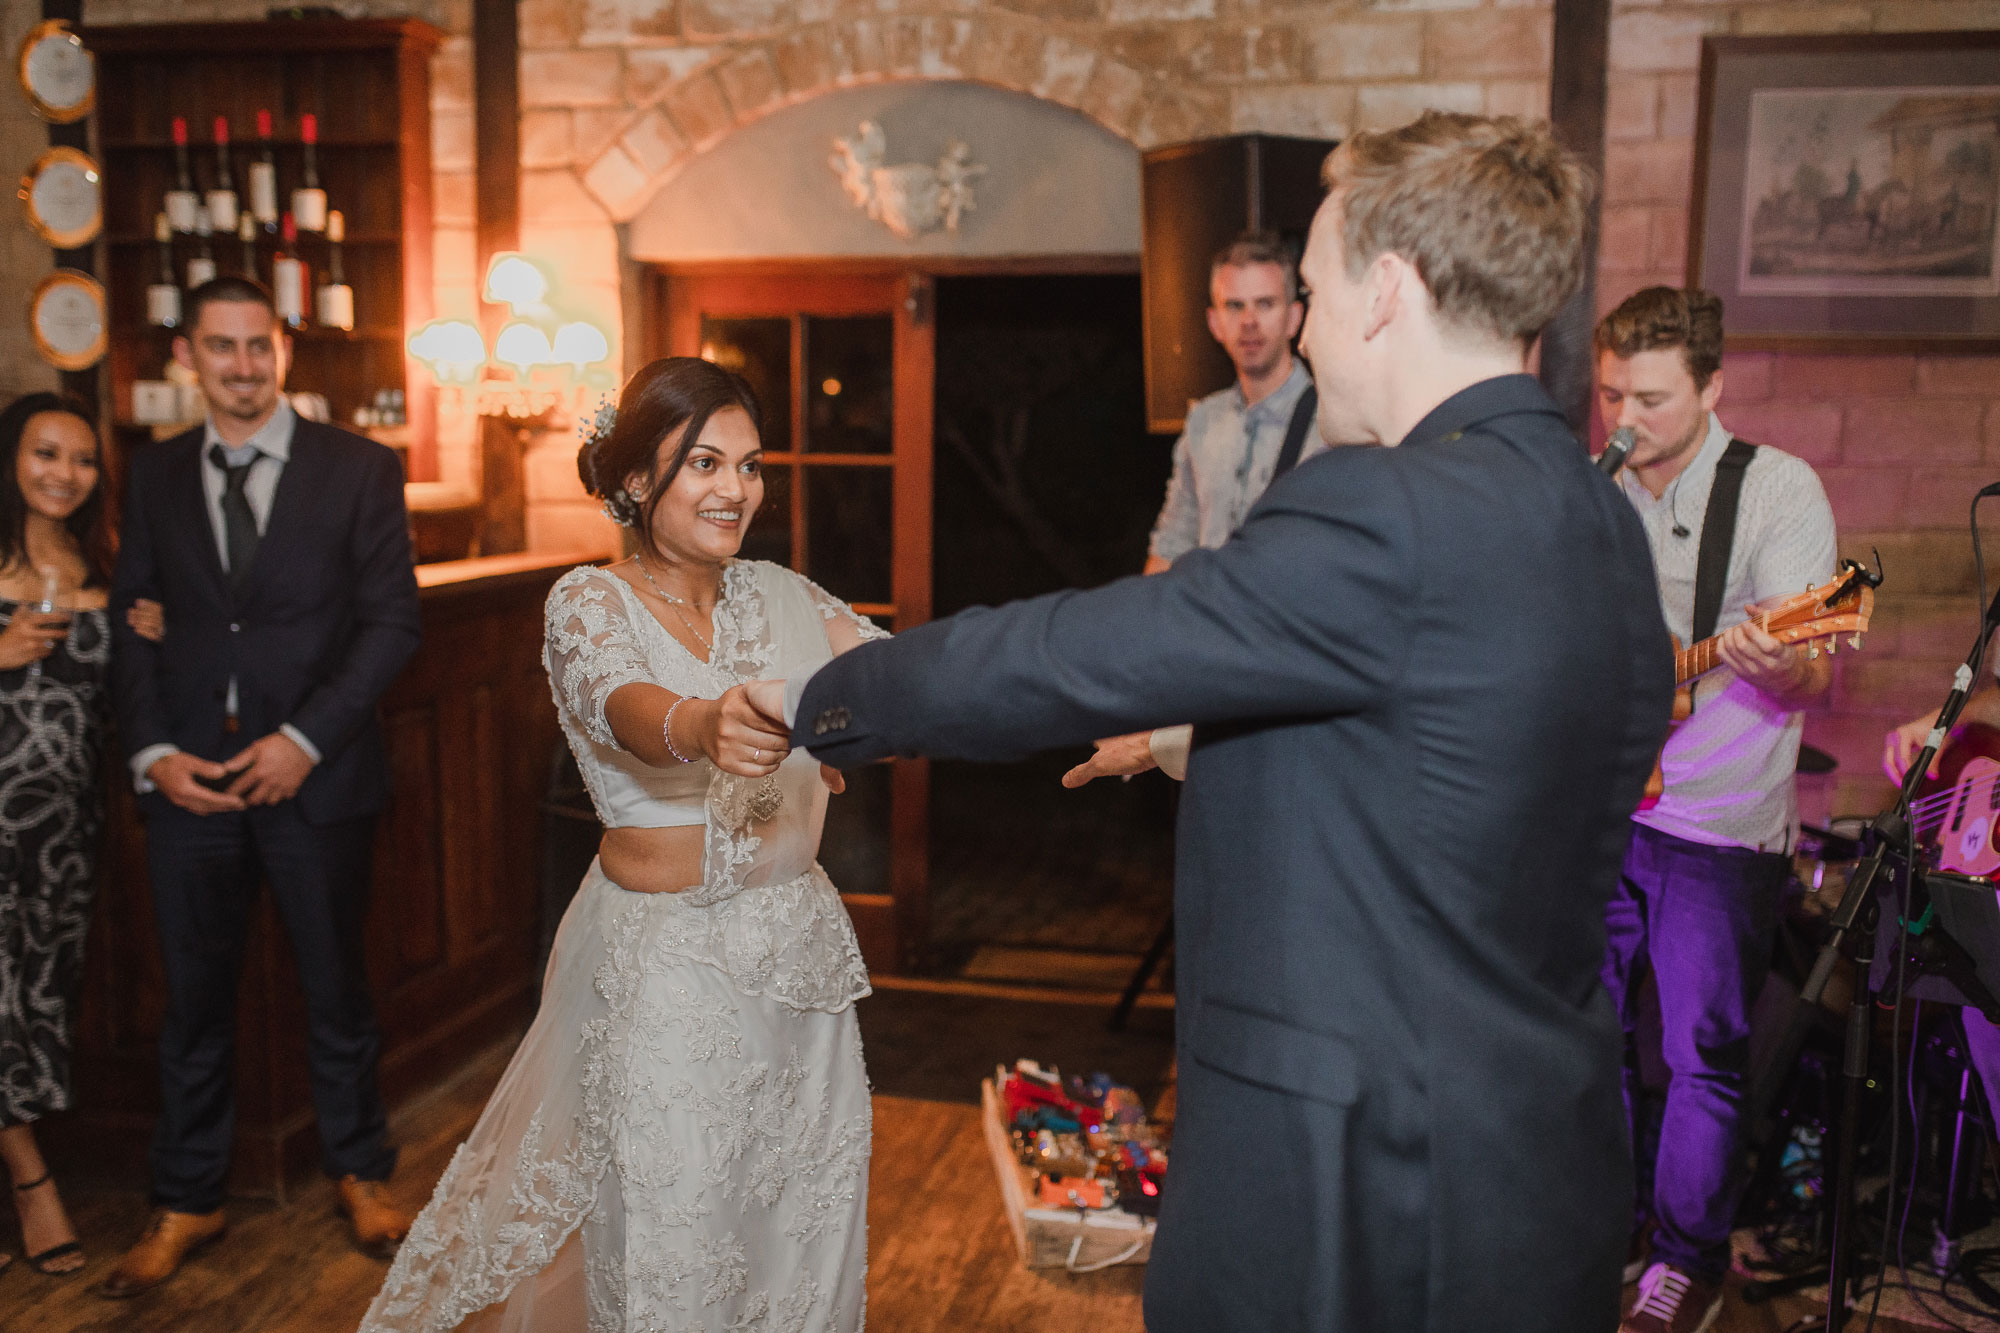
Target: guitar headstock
x=1840, y=606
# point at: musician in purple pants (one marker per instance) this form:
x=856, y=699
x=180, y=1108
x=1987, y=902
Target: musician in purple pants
x=1697, y=902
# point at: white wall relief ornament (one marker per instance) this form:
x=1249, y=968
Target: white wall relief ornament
x=910, y=198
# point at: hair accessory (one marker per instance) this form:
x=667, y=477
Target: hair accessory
x=601, y=423
x=619, y=506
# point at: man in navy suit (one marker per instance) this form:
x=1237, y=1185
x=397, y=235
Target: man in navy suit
x=280, y=549
x=1427, y=684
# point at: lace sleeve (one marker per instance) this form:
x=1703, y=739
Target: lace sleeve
x=839, y=615
x=590, y=647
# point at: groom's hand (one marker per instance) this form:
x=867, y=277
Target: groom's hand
x=1119, y=756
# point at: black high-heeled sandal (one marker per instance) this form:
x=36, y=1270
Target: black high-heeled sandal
x=40, y=1262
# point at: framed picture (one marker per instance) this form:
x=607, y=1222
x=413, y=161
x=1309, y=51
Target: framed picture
x=1847, y=191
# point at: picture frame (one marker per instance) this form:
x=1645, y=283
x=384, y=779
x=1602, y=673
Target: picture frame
x=1847, y=191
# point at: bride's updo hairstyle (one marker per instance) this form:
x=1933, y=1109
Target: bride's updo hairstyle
x=675, y=393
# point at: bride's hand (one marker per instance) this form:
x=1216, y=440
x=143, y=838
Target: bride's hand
x=1119, y=755
x=733, y=735
x=768, y=698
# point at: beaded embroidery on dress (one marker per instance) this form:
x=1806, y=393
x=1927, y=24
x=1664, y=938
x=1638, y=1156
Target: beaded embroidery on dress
x=681, y=1141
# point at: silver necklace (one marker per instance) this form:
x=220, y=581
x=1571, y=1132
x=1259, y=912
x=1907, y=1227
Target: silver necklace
x=674, y=603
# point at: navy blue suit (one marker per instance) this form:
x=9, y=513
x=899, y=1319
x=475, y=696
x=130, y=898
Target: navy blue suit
x=324, y=621
x=1428, y=683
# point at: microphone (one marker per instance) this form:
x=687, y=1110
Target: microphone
x=1618, y=446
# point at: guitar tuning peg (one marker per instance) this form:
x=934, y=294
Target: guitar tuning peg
x=1812, y=651
x=1854, y=640
x=1832, y=644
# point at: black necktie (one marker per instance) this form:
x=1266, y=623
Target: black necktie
x=239, y=525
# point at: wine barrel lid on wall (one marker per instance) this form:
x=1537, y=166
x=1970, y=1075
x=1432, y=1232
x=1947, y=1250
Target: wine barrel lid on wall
x=1196, y=198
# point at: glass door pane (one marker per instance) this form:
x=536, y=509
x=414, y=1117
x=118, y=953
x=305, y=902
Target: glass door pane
x=850, y=384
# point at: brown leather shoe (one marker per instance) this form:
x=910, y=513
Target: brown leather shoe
x=168, y=1241
x=379, y=1225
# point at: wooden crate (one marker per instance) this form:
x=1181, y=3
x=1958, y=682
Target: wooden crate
x=1057, y=1237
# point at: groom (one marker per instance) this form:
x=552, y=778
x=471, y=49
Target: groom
x=1427, y=683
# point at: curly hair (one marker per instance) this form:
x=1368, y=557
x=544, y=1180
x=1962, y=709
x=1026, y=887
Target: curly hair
x=92, y=524
x=676, y=394
x=1685, y=317
x=1490, y=210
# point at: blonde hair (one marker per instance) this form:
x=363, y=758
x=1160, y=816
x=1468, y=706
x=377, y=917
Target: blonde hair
x=1490, y=210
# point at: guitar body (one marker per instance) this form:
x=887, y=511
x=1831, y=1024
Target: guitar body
x=1969, y=782
x=1656, y=785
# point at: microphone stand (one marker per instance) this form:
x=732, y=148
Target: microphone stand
x=1858, y=909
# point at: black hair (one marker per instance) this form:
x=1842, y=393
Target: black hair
x=229, y=288
x=675, y=393
x=91, y=524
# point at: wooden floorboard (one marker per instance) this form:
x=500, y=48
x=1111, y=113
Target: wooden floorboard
x=940, y=1252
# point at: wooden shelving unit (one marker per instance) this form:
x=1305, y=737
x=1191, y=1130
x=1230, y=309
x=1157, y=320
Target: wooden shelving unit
x=368, y=82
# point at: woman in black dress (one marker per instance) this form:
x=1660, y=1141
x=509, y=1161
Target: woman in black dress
x=55, y=545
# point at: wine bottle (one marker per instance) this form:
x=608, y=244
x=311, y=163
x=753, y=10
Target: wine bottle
x=222, y=199
x=264, y=179
x=309, y=201
x=163, y=298
x=288, y=277
x=246, y=232
x=333, y=303
x=201, y=266
x=182, y=200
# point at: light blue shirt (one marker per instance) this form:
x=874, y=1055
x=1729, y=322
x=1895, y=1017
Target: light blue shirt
x=1223, y=461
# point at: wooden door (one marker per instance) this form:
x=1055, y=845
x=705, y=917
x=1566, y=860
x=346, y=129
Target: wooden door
x=842, y=365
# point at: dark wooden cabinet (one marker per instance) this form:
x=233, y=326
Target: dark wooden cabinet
x=368, y=83
x=1195, y=199
x=453, y=928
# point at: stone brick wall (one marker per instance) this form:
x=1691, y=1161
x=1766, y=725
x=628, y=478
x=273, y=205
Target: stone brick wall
x=616, y=95
x=1901, y=442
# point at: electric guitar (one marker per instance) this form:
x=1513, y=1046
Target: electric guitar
x=1958, y=811
x=1818, y=618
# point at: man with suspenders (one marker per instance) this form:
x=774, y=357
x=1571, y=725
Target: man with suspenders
x=1239, y=439
x=1730, y=524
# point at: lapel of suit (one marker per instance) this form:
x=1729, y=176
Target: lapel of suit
x=191, y=498
x=281, y=526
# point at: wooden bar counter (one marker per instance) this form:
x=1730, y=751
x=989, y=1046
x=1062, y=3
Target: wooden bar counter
x=454, y=922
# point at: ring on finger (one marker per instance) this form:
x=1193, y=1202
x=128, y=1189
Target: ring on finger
x=757, y=757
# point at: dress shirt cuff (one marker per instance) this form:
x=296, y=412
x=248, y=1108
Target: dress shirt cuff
x=298, y=738
x=1170, y=746
x=795, y=690
x=143, y=762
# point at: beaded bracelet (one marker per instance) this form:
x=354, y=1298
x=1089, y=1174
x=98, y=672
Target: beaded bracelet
x=667, y=730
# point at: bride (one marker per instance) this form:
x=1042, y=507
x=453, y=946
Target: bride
x=682, y=1139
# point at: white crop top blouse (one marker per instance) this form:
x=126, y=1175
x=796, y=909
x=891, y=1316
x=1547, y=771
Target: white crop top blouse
x=600, y=635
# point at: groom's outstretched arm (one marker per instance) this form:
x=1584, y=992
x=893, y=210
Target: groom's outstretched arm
x=1305, y=612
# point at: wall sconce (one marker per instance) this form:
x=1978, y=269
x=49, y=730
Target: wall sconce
x=540, y=365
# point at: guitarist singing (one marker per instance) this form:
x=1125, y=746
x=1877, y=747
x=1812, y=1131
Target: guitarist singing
x=1730, y=525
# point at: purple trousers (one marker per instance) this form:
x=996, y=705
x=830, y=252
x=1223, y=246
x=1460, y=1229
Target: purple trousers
x=1704, y=919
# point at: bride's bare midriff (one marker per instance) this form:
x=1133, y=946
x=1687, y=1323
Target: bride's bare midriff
x=652, y=860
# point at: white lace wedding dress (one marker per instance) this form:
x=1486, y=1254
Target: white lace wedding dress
x=681, y=1141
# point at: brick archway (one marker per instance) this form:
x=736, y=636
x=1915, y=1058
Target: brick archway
x=686, y=115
